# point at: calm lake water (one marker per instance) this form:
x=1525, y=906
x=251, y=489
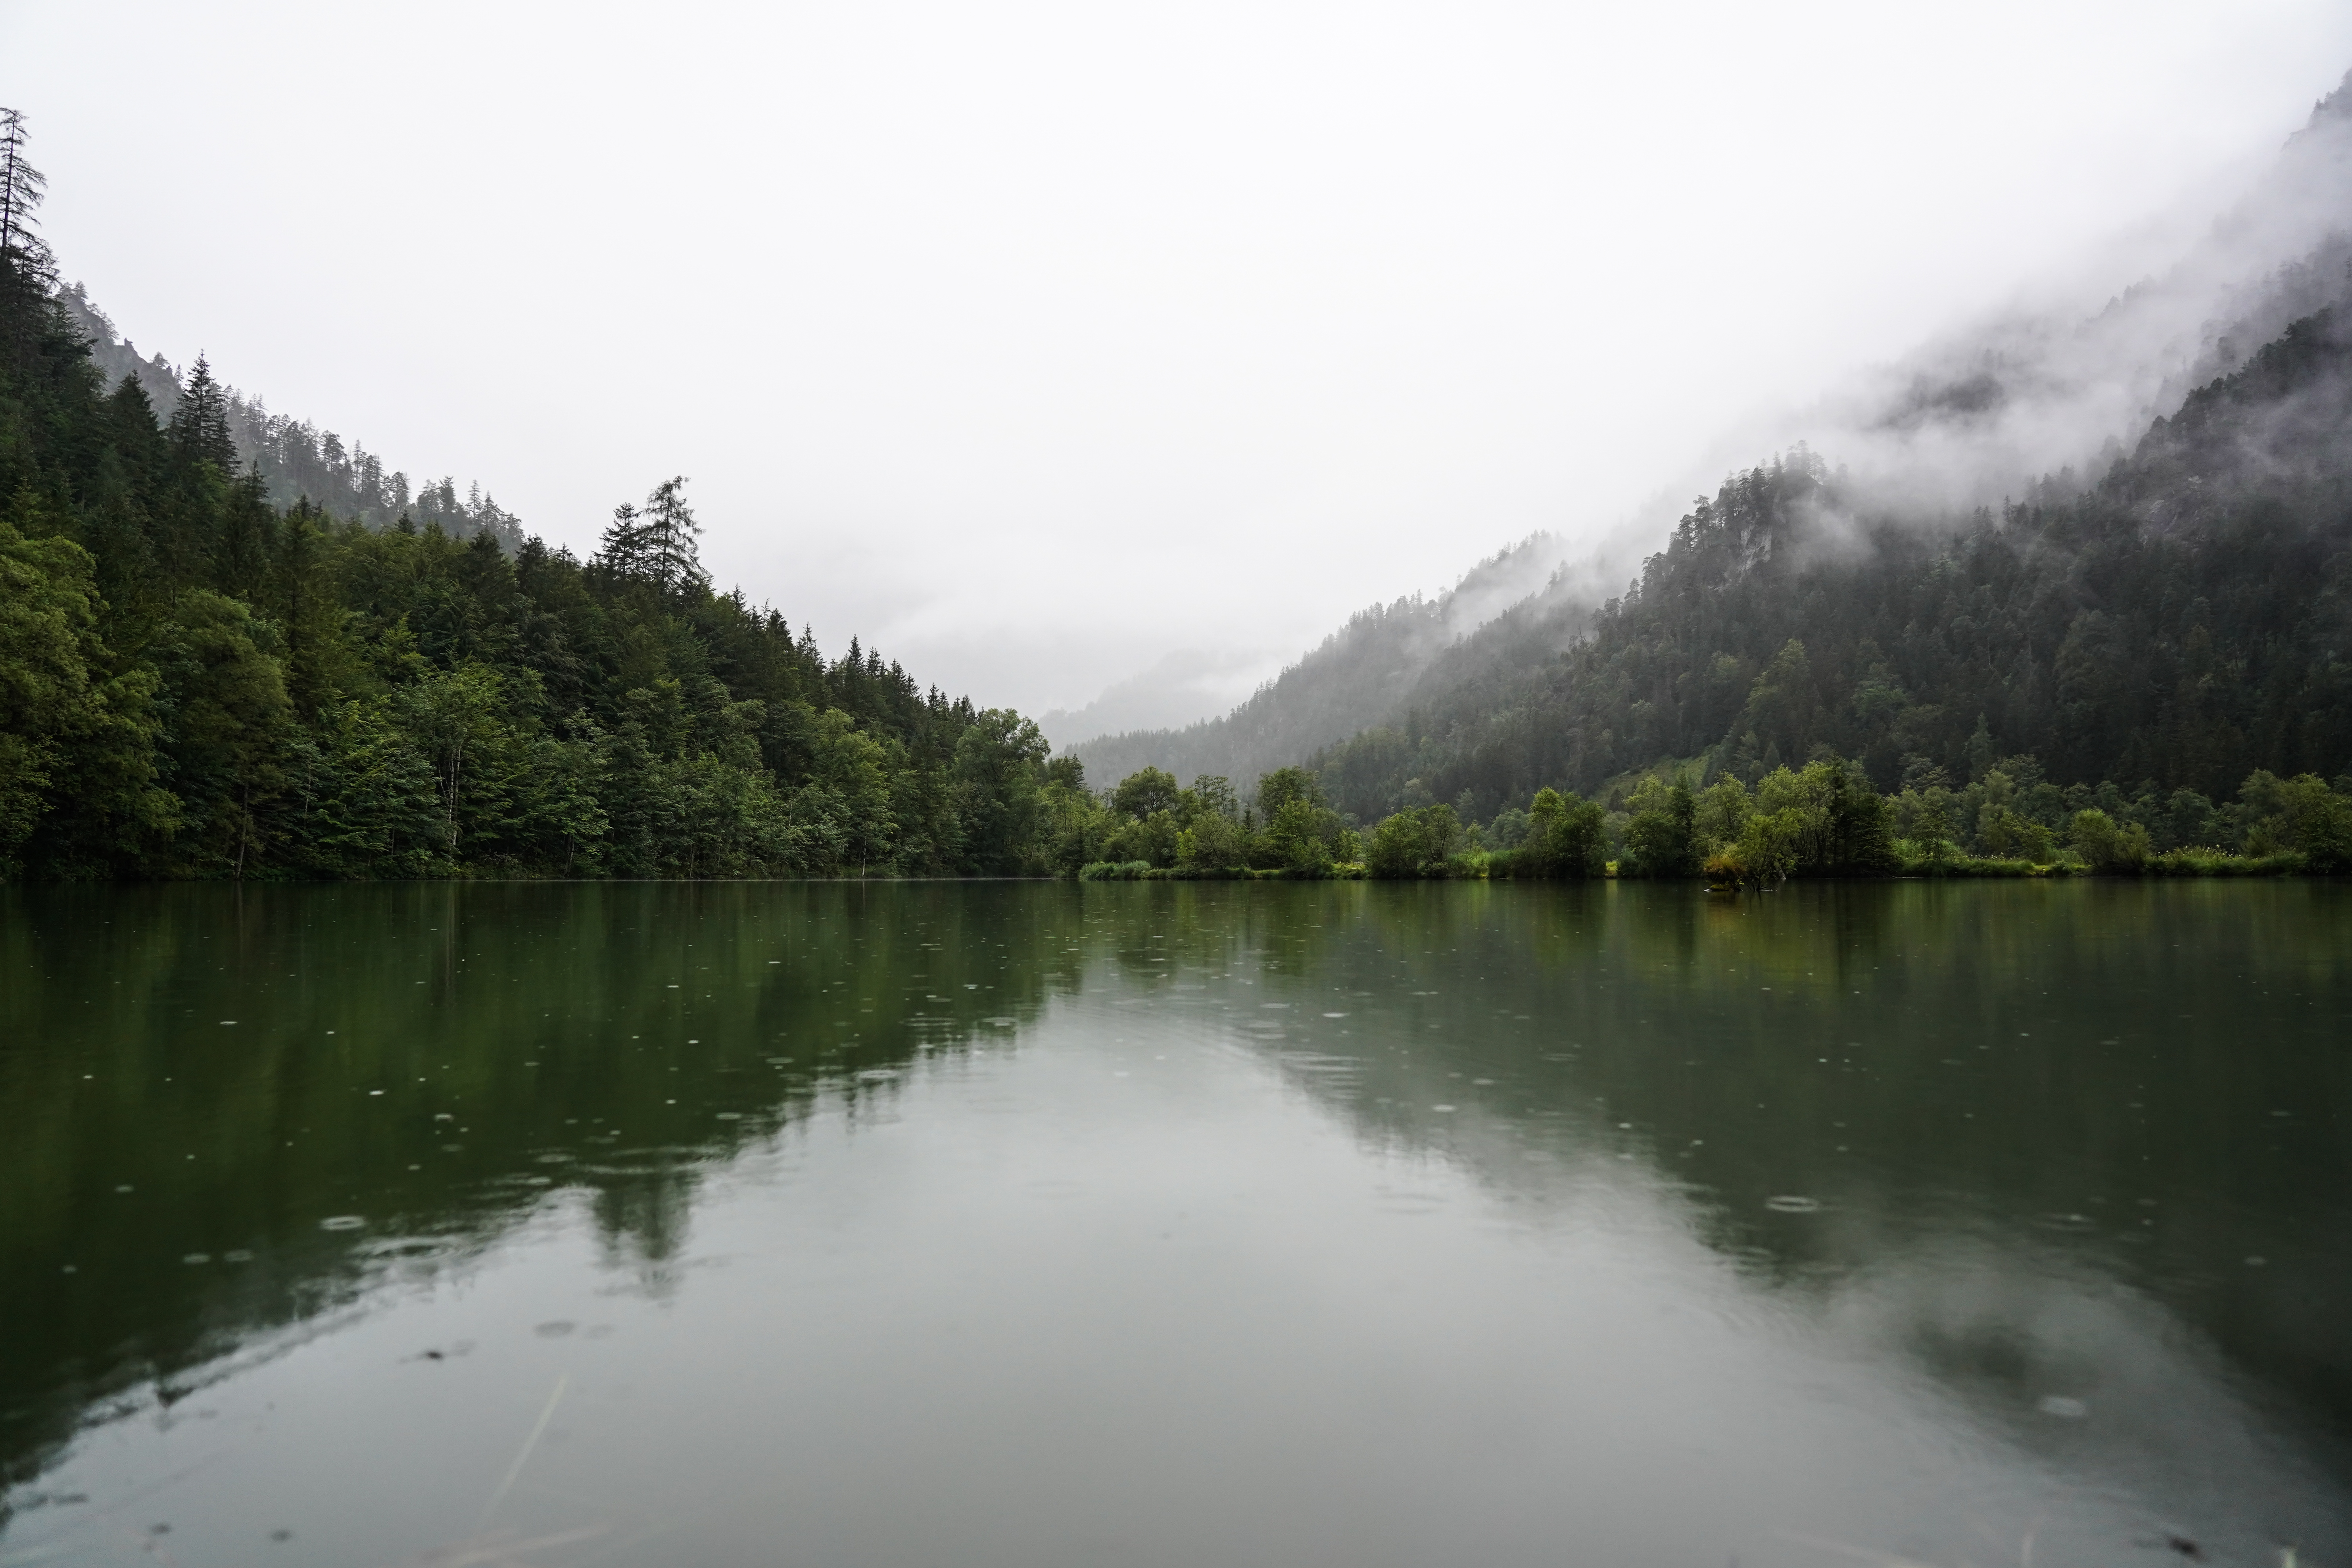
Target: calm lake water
x=1152, y=1224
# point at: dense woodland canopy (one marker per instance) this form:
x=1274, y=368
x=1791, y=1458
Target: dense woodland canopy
x=202, y=678
x=2153, y=671
x=2140, y=645
x=295, y=460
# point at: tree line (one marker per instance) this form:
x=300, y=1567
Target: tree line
x=197, y=681
x=1824, y=819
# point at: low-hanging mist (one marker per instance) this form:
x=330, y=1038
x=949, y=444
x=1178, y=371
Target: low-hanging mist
x=1985, y=435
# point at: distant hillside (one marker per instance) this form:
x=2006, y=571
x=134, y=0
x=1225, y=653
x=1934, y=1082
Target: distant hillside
x=1357, y=676
x=297, y=460
x=1408, y=703
x=2185, y=619
x=1182, y=688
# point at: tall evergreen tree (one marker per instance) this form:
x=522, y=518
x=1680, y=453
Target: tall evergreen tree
x=28, y=273
x=622, y=551
x=671, y=557
x=199, y=430
x=21, y=188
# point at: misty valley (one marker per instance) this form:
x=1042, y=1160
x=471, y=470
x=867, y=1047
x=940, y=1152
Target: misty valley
x=1816, y=1036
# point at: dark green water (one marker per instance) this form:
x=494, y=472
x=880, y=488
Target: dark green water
x=1176, y=1225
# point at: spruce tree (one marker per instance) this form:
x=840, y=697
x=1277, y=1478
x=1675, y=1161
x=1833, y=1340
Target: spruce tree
x=199, y=428
x=622, y=551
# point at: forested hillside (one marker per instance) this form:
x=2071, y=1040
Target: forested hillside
x=295, y=460
x=1476, y=710
x=2183, y=620
x=201, y=678
x=1360, y=675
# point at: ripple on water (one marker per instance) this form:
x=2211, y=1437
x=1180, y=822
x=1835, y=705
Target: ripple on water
x=1790, y=1203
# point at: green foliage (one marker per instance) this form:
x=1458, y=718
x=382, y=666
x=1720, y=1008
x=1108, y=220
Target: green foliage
x=2107, y=845
x=1214, y=842
x=1661, y=836
x=1141, y=794
x=2300, y=814
x=1304, y=839
x=1286, y=786
x=1202, y=831
x=1415, y=843
x=196, y=682
x=77, y=732
x=1769, y=848
x=1565, y=838
x=289, y=666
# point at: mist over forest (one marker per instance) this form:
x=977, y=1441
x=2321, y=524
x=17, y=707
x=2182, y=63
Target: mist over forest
x=2059, y=565
x=2111, y=545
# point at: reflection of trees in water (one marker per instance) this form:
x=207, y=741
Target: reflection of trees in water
x=2050, y=1013
x=525, y=1039
x=2080, y=1078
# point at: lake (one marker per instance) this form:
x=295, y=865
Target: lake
x=1176, y=1223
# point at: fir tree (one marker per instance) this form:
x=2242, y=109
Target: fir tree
x=622, y=551
x=199, y=428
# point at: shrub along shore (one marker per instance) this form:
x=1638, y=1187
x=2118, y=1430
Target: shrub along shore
x=1824, y=819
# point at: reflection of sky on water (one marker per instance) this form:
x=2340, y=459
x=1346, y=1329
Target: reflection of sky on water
x=1167, y=1274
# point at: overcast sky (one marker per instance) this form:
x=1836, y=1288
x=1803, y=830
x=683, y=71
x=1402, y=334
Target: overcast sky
x=1034, y=341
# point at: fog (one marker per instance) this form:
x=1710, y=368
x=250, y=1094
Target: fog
x=1044, y=344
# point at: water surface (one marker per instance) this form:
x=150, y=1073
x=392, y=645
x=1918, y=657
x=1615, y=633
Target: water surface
x=1166, y=1223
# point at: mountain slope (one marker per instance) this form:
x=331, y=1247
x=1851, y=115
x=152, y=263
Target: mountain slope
x=298, y=461
x=2186, y=618
x=1962, y=423
x=1357, y=676
x=198, y=681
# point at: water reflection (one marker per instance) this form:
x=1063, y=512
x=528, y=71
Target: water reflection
x=1930, y=1218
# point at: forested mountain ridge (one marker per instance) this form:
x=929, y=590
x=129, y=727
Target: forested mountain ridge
x=1962, y=422
x=297, y=461
x=1358, y=676
x=2186, y=618
x=196, y=680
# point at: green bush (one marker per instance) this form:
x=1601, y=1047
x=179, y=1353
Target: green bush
x=2108, y=846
